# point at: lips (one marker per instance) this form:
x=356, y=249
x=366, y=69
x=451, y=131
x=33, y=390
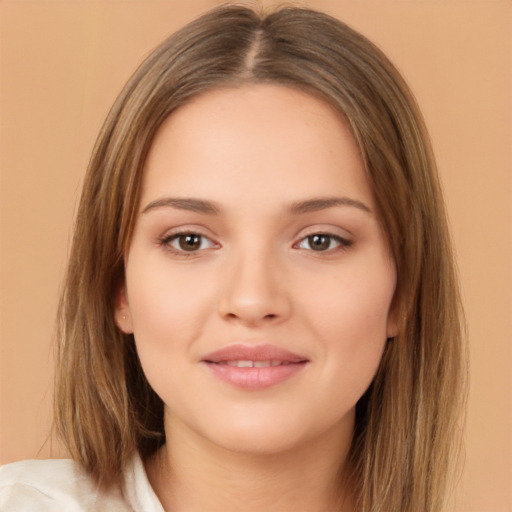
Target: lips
x=254, y=366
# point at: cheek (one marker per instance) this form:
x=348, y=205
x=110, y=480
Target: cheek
x=166, y=317
x=171, y=308
x=164, y=300
x=350, y=319
x=353, y=304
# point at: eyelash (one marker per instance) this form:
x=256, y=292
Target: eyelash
x=166, y=241
x=343, y=243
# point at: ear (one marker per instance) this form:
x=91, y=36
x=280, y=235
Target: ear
x=394, y=326
x=122, y=313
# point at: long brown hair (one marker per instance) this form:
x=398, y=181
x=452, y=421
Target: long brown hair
x=406, y=421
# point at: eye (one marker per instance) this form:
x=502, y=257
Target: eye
x=187, y=242
x=322, y=242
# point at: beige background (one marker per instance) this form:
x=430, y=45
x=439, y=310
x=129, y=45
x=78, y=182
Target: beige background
x=62, y=64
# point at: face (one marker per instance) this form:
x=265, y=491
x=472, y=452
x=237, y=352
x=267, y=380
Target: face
x=258, y=280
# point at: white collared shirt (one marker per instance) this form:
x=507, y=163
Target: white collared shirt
x=61, y=485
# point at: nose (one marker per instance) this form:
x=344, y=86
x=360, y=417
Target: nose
x=255, y=292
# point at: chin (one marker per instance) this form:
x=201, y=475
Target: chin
x=259, y=441
x=261, y=435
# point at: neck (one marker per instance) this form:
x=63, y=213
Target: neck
x=189, y=474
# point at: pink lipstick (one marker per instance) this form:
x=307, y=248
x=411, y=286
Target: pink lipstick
x=254, y=366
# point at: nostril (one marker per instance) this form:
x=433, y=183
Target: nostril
x=252, y=305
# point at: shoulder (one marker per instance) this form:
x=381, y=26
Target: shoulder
x=51, y=485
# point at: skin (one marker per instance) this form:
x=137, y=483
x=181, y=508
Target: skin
x=255, y=277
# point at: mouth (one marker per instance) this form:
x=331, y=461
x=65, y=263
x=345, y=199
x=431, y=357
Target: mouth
x=254, y=367
x=252, y=364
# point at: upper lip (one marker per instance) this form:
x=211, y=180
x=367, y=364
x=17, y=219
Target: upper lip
x=241, y=352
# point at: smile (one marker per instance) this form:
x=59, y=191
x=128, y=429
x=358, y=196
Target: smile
x=254, y=364
x=254, y=367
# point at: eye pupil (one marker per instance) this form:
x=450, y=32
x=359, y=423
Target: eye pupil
x=190, y=242
x=319, y=242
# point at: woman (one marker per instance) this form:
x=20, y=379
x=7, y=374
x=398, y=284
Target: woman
x=261, y=310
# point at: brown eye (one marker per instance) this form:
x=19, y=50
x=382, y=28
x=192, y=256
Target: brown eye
x=187, y=242
x=322, y=242
x=319, y=242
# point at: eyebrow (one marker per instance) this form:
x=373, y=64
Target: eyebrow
x=299, y=207
x=322, y=203
x=190, y=204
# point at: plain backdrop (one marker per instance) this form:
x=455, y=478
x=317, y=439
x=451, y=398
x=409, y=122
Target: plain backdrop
x=62, y=64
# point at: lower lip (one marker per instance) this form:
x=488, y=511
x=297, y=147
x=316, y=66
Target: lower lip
x=255, y=378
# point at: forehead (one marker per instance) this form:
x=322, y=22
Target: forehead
x=266, y=140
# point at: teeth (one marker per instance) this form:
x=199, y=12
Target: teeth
x=254, y=364
x=261, y=364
